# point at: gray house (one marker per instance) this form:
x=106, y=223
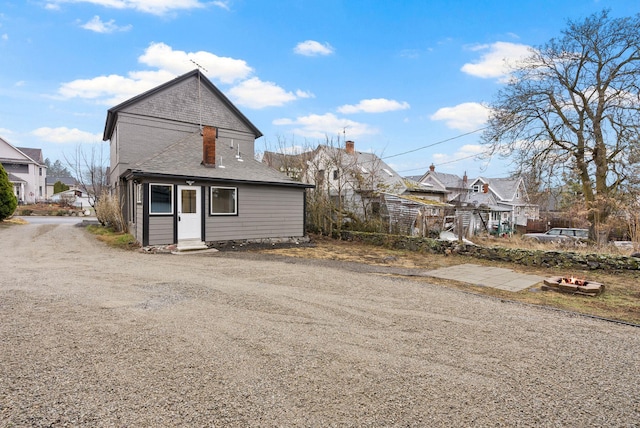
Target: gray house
x=495, y=205
x=182, y=162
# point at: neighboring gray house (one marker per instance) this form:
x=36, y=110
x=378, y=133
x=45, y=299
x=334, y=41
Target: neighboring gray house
x=182, y=161
x=492, y=204
x=26, y=170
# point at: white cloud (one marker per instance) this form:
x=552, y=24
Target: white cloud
x=221, y=4
x=99, y=26
x=113, y=89
x=224, y=69
x=374, y=105
x=5, y=36
x=155, y=7
x=464, y=117
x=320, y=126
x=257, y=94
x=304, y=94
x=313, y=48
x=63, y=135
x=496, y=60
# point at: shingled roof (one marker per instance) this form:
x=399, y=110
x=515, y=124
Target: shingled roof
x=184, y=159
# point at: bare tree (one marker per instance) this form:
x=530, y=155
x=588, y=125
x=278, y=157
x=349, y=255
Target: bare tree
x=88, y=164
x=575, y=103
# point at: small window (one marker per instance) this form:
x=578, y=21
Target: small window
x=161, y=199
x=40, y=189
x=475, y=188
x=40, y=172
x=335, y=174
x=139, y=193
x=224, y=201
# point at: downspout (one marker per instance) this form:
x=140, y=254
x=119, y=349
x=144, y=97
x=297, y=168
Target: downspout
x=304, y=212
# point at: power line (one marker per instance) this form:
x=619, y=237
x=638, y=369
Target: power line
x=443, y=163
x=436, y=143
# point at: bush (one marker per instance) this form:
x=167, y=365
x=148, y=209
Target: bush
x=109, y=212
x=8, y=201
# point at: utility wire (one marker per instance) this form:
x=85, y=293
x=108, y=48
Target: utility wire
x=436, y=143
x=443, y=163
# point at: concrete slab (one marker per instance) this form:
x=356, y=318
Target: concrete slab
x=486, y=276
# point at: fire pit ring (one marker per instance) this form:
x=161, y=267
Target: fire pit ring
x=573, y=285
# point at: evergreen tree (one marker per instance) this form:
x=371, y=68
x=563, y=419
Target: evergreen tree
x=8, y=201
x=59, y=186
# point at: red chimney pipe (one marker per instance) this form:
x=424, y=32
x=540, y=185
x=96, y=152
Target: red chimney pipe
x=350, y=147
x=209, y=146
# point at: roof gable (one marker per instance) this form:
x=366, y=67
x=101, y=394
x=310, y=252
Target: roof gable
x=448, y=181
x=365, y=163
x=506, y=189
x=11, y=152
x=190, y=98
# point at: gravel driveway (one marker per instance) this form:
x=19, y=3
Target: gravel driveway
x=92, y=336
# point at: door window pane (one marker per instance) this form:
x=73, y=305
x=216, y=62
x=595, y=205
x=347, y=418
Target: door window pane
x=188, y=201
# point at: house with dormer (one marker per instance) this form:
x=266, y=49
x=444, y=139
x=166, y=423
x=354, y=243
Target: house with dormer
x=26, y=170
x=182, y=162
x=497, y=205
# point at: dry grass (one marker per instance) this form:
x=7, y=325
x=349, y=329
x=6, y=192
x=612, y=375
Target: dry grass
x=121, y=240
x=621, y=300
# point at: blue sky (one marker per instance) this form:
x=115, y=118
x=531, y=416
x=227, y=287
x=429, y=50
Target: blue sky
x=394, y=77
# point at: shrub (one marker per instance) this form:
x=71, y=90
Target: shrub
x=59, y=186
x=109, y=212
x=8, y=201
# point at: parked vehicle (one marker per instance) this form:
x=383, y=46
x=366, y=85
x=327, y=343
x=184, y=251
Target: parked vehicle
x=559, y=234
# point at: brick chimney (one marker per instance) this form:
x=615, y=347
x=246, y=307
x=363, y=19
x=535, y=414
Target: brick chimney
x=432, y=167
x=350, y=147
x=209, y=146
x=465, y=179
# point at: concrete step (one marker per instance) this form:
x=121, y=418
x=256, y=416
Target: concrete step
x=191, y=245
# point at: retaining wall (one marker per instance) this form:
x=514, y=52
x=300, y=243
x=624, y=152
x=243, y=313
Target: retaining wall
x=562, y=259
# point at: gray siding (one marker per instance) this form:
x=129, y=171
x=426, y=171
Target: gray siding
x=138, y=138
x=160, y=230
x=263, y=212
x=180, y=102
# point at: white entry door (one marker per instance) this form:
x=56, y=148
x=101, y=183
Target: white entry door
x=189, y=213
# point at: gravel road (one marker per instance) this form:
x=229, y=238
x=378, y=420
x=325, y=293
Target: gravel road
x=92, y=336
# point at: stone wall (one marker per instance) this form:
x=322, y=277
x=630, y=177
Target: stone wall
x=561, y=259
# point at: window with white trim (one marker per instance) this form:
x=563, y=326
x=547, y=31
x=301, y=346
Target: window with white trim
x=224, y=200
x=160, y=199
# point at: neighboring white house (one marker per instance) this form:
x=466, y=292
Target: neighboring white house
x=26, y=170
x=363, y=185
